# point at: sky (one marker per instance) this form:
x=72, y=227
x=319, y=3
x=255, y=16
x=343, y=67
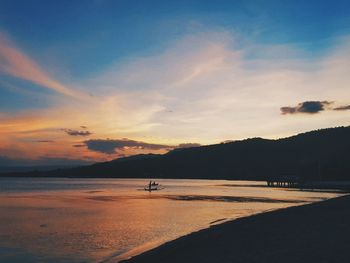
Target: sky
x=89, y=81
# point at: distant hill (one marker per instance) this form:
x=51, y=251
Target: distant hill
x=316, y=155
x=21, y=169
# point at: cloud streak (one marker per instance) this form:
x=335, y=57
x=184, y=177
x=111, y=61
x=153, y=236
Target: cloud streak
x=79, y=145
x=44, y=141
x=15, y=63
x=76, y=132
x=214, y=89
x=342, y=108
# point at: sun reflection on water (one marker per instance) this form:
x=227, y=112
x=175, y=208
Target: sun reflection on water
x=74, y=220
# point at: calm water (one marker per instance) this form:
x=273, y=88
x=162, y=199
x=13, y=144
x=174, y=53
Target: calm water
x=94, y=220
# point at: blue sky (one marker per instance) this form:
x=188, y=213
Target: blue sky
x=90, y=35
x=145, y=59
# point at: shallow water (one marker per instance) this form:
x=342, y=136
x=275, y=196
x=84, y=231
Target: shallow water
x=105, y=220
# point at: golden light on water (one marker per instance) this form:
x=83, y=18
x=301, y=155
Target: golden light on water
x=93, y=220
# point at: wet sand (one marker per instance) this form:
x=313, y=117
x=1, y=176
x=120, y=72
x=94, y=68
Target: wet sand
x=318, y=232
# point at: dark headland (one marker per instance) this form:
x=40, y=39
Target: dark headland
x=318, y=232
x=321, y=155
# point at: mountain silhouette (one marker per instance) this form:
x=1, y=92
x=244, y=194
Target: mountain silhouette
x=316, y=155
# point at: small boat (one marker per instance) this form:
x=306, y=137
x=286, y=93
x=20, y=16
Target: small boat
x=153, y=186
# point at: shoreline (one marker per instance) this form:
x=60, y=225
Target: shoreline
x=314, y=232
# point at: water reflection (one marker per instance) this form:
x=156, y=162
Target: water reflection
x=74, y=220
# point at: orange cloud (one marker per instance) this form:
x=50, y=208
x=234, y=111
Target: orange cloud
x=15, y=63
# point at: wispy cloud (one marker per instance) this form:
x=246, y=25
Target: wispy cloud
x=44, y=141
x=341, y=108
x=218, y=90
x=77, y=132
x=17, y=64
x=79, y=145
x=215, y=91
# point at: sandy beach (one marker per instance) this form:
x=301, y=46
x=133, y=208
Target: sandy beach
x=317, y=232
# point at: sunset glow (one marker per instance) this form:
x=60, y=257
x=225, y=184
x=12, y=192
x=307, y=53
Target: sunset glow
x=186, y=84
x=174, y=131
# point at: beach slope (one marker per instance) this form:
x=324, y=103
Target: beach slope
x=318, y=232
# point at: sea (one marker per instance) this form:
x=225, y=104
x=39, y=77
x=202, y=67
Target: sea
x=107, y=220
